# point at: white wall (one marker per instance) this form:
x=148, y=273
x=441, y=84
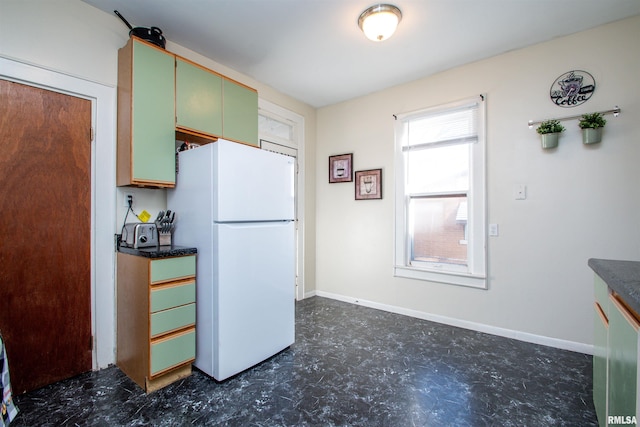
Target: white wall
x=72, y=38
x=582, y=201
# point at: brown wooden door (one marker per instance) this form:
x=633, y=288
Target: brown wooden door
x=45, y=234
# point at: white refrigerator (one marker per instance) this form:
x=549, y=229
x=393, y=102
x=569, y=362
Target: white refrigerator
x=235, y=204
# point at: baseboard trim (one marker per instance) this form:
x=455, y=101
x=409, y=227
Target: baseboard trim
x=310, y=294
x=474, y=326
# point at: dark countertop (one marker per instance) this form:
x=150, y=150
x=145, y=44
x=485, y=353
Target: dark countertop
x=623, y=277
x=159, y=251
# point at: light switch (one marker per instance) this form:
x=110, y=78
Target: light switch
x=493, y=229
x=521, y=192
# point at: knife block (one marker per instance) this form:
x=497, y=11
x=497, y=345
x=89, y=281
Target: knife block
x=164, y=238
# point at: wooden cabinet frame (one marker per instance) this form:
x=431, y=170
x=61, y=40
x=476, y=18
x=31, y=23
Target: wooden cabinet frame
x=134, y=338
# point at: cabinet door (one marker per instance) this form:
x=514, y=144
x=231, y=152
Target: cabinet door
x=600, y=339
x=601, y=292
x=198, y=99
x=623, y=360
x=153, y=116
x=240, y=113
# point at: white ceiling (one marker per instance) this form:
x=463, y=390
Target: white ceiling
x=313, y=50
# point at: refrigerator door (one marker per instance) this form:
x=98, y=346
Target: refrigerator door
x=255, y=278
x=251, y=184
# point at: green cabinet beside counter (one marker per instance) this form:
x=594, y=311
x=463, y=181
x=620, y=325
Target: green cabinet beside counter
x=600, y=367
x=623, y=361
x=156, y=318
x=616, y=343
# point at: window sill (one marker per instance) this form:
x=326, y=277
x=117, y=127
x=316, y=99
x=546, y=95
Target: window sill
x=451, y=278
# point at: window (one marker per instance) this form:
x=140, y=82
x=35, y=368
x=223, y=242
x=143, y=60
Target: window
x=440, y=194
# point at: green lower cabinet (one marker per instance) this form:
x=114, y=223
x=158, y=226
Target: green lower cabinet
x=156, y=318
x=601, y=332
x=170, y=352
x=623, y=364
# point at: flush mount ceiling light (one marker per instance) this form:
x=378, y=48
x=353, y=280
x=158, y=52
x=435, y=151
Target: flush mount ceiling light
x=379, y=22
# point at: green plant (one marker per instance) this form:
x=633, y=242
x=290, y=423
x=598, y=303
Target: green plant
x=550, y=126
x=593, y=121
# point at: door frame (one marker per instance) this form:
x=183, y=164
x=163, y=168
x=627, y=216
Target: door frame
x=103, y=191
x=270, y=109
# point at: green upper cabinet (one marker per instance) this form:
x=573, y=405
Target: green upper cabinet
x=146, y=116
x=240, y=113
x=198, y=99
x=159, y=94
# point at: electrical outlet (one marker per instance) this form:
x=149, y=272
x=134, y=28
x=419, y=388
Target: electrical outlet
x=128, y=197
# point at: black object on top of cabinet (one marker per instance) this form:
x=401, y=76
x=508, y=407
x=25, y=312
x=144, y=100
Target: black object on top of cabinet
x=152, y=35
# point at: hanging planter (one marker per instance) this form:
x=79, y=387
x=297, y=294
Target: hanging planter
x=591, y=125
x=550, y=140
x=591, y=135
x=550, y=131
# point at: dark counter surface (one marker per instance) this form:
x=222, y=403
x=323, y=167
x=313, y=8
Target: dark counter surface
x=623, y=277
x=159, y=251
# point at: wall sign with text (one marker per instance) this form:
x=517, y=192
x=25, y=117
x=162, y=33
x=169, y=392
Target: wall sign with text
x=572, y=89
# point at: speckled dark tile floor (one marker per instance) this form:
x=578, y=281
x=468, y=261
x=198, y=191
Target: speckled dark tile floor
x=350, y=366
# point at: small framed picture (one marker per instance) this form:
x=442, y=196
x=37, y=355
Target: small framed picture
x=340, y=168
x=369, y=184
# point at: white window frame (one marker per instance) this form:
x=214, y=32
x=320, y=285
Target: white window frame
x=475, y=275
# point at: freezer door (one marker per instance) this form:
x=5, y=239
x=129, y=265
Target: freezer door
x=255, y=283
x=252, y=184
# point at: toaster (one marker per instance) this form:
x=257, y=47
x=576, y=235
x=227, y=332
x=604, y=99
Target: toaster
x=139, y=235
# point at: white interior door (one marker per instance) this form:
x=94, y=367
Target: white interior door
x=282, y=131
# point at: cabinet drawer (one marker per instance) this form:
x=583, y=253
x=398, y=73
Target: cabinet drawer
x=175, y=318
x=166, y=297
x=172, y=351
x=163, y=270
